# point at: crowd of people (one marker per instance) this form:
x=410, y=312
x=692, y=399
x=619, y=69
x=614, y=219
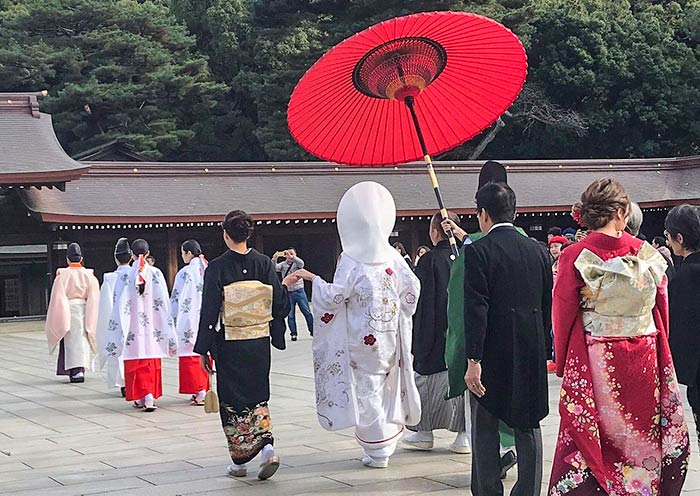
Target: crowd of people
x=403, y=346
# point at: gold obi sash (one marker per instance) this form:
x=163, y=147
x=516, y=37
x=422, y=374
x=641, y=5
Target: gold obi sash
x=620, y=293
x=247, y=310
x=616, y=326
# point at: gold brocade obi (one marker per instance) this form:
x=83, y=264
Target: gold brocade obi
x=620, y=293
x=247, y=311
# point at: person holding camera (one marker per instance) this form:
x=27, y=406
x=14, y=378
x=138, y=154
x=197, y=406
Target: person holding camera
x=297, y=295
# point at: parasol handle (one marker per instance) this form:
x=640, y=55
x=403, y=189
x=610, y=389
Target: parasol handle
x=433, y=178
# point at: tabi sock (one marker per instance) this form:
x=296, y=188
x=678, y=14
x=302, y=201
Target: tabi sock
x=148, y=400
x=268, y=452
x=462, y=439
x=420, y=436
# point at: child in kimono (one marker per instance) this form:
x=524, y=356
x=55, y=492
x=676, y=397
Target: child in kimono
x=363, y=366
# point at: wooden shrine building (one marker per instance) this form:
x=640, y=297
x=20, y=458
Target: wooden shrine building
x=48, y=200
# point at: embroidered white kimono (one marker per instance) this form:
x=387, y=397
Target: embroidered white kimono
x=113, y=284
x=186, y=303
x=140, y=325
x=363, y=367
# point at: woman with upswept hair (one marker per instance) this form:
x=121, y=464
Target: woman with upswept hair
x=622, y=428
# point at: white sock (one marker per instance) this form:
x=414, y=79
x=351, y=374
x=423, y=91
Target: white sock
x=420, y=436
x=462, y=439
x=233, y=466
x=201, y=395
x=148, y=400
x=268, y=452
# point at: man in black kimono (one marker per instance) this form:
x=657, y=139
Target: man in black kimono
x=507, y=317
x=428, y=348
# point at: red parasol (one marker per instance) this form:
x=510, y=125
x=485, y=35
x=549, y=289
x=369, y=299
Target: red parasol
x=449, y=73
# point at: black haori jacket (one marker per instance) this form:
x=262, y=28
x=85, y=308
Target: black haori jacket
x=507, y=320
x=430, y=319
x=684, y=317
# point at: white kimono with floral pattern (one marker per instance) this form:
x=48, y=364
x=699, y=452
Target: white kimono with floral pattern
x=185, y=304
x=113, y=284
x=141, y=326
x=363, y=367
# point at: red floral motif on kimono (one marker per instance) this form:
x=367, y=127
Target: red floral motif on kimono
x=370, y=340
x=389, y=271
x=327, y=317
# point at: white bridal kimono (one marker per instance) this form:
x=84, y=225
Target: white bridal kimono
x=363, y=367
x=113, y=285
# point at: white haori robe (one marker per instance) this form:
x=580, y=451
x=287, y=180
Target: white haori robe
x=72, y=315
x=113, y=284
x=363, y=367
x=186, y=303
x=140, y=325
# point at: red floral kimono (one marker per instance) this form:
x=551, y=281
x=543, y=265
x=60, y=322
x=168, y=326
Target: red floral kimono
x=622, y=428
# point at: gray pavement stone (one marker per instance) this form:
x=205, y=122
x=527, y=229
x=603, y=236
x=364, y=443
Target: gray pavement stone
x=66, y=439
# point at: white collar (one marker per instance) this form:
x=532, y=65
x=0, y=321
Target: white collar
x=500, y=224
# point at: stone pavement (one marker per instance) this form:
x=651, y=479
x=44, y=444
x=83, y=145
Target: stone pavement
x=71, y=439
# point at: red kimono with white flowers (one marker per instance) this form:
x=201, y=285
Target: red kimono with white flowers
x=622, y=428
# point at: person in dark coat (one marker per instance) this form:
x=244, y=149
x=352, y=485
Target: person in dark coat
x=683, y=237
x=428, y=347
x=507, y=317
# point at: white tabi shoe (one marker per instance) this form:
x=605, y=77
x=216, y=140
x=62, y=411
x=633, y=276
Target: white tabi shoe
x=368, y=461
x=460, y=444
x=418, y=441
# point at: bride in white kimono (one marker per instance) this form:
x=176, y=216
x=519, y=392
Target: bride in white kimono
x=363, y=366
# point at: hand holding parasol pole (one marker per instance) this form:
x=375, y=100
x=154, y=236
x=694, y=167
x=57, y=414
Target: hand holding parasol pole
x=409, y=101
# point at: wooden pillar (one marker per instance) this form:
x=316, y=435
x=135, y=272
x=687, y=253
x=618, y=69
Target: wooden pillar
x=172, y=254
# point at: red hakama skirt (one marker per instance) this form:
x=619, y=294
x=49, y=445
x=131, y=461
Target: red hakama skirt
x=141, y=377
x=193, y=378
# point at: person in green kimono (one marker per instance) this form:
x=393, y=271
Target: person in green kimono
x=455, y=346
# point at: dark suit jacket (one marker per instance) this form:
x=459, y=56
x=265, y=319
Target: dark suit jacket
x=507, y=319
x=684, y=317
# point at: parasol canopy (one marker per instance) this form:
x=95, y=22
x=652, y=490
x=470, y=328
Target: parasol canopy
x=462, y=70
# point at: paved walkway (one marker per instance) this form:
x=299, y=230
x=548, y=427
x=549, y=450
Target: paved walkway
x=68, y=439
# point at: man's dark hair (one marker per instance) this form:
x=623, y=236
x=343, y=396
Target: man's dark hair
x=498, y=200
x=659, y=240
x=684, y=219
x=292, y=249
x=554, y=231
x=123, y=258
